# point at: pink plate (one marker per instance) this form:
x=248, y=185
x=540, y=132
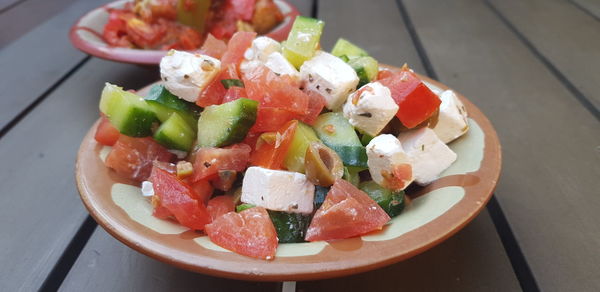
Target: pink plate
x=86, y=35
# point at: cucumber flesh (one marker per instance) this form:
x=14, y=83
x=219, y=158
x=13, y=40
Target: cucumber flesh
x=290, y=227
x=176, y=133
x=242, y=207
x=127, y=111
x=164, y=103
x=351, y=174
x=338, y=134
x=294, y=158
x=366, y=68
x=345, y=48
x=391, y=202
x=226, y=124
x=302, y=40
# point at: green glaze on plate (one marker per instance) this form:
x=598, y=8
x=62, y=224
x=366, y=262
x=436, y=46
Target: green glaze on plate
x=470, y=149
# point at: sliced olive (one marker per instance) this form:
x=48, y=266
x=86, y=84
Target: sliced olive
x=323, y=166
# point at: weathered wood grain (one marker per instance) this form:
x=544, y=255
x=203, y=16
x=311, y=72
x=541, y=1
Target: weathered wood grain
x=41, y=206
x=589, y=6
x=549, y=186
x=565, y=35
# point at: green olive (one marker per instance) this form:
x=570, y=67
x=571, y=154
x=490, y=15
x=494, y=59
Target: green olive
x=322, y=165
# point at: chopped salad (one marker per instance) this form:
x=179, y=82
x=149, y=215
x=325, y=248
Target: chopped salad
x=256, y=142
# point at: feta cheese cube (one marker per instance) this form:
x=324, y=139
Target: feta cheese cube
x=429, y=156
x=280, y=65
x=147, y=189
x=370, y=108
x=278, y=190
x=261, y=48
x=186, y=75
x=329, y=76
x=452, y=121
x=389, y=165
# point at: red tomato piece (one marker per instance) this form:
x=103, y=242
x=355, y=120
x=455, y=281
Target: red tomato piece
x=159, y=210
x=384, y=73
x=213, y=47
x=115, y=33
x=132, y=157
x=239, y=42
x=224, y=180
x=316, y=102
x=397, y=178
x=251, y=139
x=282, y=92
x=189, y=39
x=202, y=190
x=219, y=206
x=143, y=34
x=271, y=148
x=177, y=197
x=244, y=9
x=415, y=101
x=250, y=233
x=346, y=212
x=269, y=119
x=214, y=93
x=234, y=93
x=106, y=133
x=209, y=161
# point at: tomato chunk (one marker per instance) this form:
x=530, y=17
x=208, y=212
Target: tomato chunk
x=271, y=148
x=209, y=161
x=239, y=42
x=132, y=157
x=250, y=233
x=202, y=190
x=316, y=103
x=215, y=91
x=346, y=212
x=234, y=93
x=415, y=100
x=213, y=47
x=219, y=206
x=106, y=133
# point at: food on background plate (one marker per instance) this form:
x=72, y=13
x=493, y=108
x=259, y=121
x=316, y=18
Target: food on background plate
x=185, y=24
x=268, y=143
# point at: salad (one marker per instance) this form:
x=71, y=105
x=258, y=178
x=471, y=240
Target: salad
x=256, y=142
x=183, y=24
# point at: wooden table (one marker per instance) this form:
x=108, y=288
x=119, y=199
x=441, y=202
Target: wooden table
x=531, y=65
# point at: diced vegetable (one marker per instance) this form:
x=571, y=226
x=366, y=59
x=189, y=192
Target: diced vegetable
x=213, y=47
x=250, y=233
x=294, y=159
x=127, y=111
x=178, y=198
x=338, y=134
x=202, y=190
x=132, y=157
x=228, y=83
x=302, y=40
x=365, y=139
x=320, y=194
x=271, y=148
x=351, y=174
x=345, y=48
x=366, y=68
x=209, y=161
x=219, y=206
x=226, y=124
x=176, y=133
x=106, y=134
x=214, y=92
x=391, y=202
x=290, y=227
x=242, y=207
x=164, y=103
x=224, y=180
x=193, y=13
x=322, y=165
x=346, y=212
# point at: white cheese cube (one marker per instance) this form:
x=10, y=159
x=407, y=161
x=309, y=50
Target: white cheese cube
x=186, y=75
x=261, y=48
x=370, y=108
x=389, y=165
x=452, y=121
x=280, y=65
x=147, y=189
x=278, y=190
x=429, y=156
x=329, y=76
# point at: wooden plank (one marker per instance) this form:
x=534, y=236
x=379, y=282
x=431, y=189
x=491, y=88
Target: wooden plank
x=549, y=186
x=464, y=261
x=108, y=265
x=6, y=5
x=27, y=15
x=589, y=6
x=41, y=207
x=567, y=36
x=469, y=261
x=38, y=60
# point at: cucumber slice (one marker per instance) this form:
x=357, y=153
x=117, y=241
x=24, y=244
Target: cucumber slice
x=391, y=202
x=290, y=227
x=176, y=133
x=164, y=103
x=226, y=124
x=365, y=139
x=320, y=194
x=338, y=134
x=303, y=40
x=193, y=13
x=345, y=48
x=127, y=111
x=351, y=174
x=242, y=207
x=294, y=158
x=232, y=82
x=366, y=68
